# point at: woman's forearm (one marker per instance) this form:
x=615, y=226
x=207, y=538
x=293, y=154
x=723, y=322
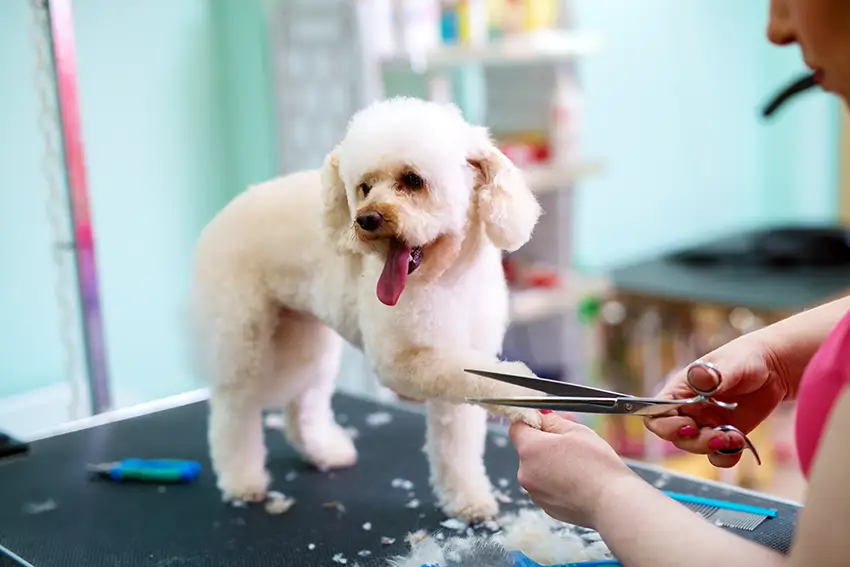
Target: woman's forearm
x=645, y=528
x=794, y=341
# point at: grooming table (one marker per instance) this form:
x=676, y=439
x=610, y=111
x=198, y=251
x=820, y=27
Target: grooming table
x=52, y=514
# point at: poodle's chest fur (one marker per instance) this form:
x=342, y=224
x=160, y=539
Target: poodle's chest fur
x=274, y=232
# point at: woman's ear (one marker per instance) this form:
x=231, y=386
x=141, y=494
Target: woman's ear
x=336, y=215
x=505, y=202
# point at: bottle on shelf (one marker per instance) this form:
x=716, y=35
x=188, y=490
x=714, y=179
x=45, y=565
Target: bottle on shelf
x=540, y=15
x=564, y=124
x=449, y=24
x=417, y=27
x=473, y=21
x=513, y=17
x=495, y=18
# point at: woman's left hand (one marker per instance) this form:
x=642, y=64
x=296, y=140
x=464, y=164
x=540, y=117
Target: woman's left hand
x=566, y=467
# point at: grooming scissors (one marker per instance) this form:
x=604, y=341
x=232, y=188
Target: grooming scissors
x=586, y=399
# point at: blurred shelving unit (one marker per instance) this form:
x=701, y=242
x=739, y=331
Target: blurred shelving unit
x=545, y=46
x=544, y=179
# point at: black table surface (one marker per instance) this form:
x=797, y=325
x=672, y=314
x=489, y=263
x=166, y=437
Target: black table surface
x=735, y=284
x=53, y=515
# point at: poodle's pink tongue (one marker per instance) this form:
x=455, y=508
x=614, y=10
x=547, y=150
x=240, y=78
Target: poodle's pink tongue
x=394, y=277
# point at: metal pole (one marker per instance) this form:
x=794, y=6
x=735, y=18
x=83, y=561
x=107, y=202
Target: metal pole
x=61, y=40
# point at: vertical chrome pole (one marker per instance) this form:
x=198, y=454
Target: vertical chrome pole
x=62, y=46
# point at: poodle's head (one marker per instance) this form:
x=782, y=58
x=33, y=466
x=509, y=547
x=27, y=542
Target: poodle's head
x=411, y=182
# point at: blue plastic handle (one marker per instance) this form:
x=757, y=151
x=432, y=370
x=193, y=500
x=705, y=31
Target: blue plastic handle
x=156, y=470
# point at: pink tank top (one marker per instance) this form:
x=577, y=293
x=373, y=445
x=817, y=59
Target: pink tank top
x=822, y=382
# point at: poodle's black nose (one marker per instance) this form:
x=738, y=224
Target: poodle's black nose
x=370, y=221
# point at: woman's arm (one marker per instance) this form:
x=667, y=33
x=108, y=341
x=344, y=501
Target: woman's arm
x=823, y=529
x=793, y=341
x=644, y=528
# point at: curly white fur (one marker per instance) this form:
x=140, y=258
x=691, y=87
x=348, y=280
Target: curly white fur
x=530, y=531
x=283, y=274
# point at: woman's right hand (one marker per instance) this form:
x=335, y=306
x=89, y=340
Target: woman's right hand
x=752, y=375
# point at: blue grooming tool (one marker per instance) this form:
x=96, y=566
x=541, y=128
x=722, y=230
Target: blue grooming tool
x=523, y=560
x=726, y=514
x=160, y=471
x=519, y=559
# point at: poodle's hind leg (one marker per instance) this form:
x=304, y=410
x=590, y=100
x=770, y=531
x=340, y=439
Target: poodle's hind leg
x=237, y=447
x=243, y=358
x=309, y=359
x=455, y=441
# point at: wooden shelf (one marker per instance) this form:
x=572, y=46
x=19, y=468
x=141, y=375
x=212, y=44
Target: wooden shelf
x=548, y=179
x=548, y=46
x=529, y=305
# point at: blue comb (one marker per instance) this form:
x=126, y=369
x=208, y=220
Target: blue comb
x=723, y=513
x=522, y=560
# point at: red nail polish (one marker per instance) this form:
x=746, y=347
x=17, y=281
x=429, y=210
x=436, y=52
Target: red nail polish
x=545, y=411
x=718, y=443
x=688, y=431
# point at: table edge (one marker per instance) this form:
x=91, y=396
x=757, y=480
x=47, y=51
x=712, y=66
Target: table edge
x=202, y=394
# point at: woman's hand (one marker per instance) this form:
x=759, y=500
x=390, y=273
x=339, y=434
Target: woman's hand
x=752, y=375
x=565, y=467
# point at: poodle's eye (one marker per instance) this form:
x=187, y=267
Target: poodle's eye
x=365, y=188
x=412, y=181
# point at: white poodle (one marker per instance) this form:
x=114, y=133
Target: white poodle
x=394, y=246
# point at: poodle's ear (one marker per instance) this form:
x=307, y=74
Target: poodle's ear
x=335, y=213
x=506, y=204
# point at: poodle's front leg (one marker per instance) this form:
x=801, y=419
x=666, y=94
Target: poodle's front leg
x=455, y=446
x=431, y=374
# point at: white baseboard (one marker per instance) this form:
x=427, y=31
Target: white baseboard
x=22, y=415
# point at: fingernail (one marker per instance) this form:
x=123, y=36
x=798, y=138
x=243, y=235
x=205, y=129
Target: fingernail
x=688, y=431
x=718, y=443
x=545, y=411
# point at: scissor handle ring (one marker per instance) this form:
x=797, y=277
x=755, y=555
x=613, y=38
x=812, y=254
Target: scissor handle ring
x=747, y=443
x=711, y=369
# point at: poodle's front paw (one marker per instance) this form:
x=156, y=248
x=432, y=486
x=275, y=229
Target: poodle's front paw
x=471, y=508
x=530, y=417
x=247, y=486
x=328, y=448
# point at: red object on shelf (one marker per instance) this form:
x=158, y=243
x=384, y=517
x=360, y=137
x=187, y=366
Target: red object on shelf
x=525, y=276
x=524, y=153
x=548, y=280
x=510, y=270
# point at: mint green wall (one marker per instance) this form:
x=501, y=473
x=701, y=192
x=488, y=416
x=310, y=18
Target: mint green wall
x=30, y=353
x=175, y=120
x=672, y=107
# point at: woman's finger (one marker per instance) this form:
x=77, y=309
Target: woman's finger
x=727, y=448
x=699, y=444
x=724, y=461
x=672, y=428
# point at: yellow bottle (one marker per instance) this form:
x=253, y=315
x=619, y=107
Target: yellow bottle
x=472, y=21
x=496, y=18
x=540, y=14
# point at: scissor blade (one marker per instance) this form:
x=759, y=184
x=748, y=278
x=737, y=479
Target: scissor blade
x=597, y=405
x=553, y=387
x=618, y=406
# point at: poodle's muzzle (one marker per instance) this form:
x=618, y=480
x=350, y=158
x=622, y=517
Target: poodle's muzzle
x=381, y=222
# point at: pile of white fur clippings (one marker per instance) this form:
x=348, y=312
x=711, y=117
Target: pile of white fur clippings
x=543, y=539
